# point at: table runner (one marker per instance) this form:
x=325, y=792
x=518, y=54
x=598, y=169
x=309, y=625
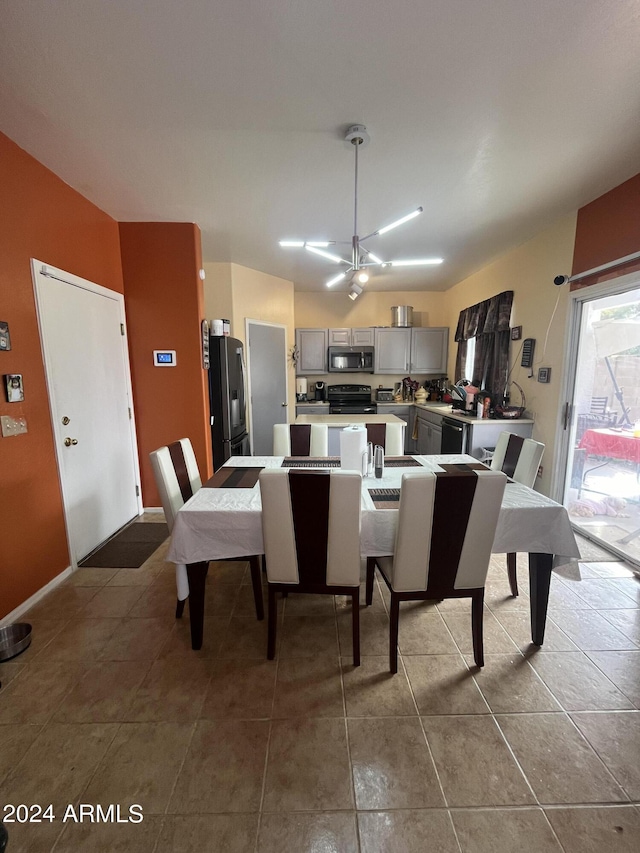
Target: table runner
x=311, y=462
x=233, y=478
x=401, y=462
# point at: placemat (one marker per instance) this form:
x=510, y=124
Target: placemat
x=462, y=467
x=401, y=462
x=311, y=462
x=228, y=477
x=385, y=498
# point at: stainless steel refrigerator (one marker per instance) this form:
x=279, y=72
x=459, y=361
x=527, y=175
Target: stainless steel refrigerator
x=229, y=434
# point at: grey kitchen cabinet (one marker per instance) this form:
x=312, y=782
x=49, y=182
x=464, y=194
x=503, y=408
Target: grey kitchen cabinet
x=307, y=409
x=392, y=350
x=405, y=413
x=429, y=350
x=311, y=346
x=429, y=431
x=417, y=350
x=351, y=337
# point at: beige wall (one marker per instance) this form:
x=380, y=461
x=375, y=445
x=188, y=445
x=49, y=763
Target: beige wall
x=528, y=270
x=372, y=308
x=239, y=293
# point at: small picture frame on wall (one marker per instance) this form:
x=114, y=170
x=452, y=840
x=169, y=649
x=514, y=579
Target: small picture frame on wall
x=544, y=374
x=13, y=387
x=5, y=337
x=516, y=333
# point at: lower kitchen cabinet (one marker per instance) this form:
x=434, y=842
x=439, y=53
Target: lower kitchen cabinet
x=406, y=413
x=429, y=432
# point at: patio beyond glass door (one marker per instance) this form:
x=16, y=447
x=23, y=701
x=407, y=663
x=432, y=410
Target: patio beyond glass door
x=602, y=487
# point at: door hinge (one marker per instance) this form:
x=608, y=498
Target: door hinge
x=137, y=491
x=122, y=329
x=129, y=410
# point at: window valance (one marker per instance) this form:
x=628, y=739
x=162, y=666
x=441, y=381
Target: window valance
x=492, y=315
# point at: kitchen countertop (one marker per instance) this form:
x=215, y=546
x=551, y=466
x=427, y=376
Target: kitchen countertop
x=347, y=420
x=438, y=408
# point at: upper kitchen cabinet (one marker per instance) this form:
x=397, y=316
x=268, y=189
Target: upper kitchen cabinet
x=392, y=350
x=399, y=350
x=351, y=337
x=429, y=350
x=311, y=346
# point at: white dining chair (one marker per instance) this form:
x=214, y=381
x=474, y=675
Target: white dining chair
x=311, y=532
x=518, y=458
x=389, y=436
x=300, y=440
x=446, y=526
x=177, y=477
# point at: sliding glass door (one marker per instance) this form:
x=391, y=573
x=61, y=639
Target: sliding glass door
x=602, y=482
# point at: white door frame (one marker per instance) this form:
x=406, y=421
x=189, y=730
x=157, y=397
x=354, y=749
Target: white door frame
x=577, y=298
x=37, y=268
x=247, y=323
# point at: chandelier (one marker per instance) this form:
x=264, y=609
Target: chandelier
x=361, y=256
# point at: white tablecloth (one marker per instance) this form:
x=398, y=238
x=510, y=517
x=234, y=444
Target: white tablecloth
x=217, y=524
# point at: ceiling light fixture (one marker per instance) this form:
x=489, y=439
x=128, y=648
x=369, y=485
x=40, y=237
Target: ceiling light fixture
x=360, y=256
x=354, y=291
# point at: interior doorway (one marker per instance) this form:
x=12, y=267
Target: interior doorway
x=84, y=346
x=267, y=368
x=602, y=481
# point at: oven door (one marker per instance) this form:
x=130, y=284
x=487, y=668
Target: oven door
x=353, y=409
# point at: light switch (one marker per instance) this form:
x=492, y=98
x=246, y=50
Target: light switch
x=12, y=426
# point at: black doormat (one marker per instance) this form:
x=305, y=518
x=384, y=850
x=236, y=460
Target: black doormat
x=129, y=548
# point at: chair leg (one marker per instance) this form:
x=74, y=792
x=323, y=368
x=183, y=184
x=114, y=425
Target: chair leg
x=180, y=608
x=394, y=617
x=513, y=575
x=355, y=615
x=273, y=618
x=256, y=582
x=477, y=604
x=371, y=571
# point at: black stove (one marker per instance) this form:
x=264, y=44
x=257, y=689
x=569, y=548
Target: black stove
x=350, y=400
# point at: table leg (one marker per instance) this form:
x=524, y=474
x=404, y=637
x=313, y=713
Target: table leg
x=540, y=566
x=197, y=573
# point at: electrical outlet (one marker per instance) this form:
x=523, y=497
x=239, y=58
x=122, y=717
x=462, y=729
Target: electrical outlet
x=12, y=426
x=539, y=474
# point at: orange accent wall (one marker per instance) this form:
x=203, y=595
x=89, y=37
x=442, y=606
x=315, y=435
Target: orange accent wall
x=607, y=229
x=41, y=217
x=164, y=303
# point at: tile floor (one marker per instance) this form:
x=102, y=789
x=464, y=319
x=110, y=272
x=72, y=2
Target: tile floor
x=226, y=751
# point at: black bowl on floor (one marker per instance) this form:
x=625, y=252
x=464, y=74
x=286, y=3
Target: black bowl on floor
x=14, y=639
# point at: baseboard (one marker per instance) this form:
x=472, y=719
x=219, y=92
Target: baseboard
x=12, y=617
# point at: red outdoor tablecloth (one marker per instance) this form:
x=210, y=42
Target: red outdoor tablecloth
x=611, y=443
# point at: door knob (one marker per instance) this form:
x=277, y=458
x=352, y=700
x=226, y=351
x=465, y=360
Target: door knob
x=69, y=441
x=285, y=405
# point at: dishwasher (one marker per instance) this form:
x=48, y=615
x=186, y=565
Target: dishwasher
x=454, y=436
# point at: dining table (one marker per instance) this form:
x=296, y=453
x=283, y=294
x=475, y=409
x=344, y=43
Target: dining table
x=223, y=520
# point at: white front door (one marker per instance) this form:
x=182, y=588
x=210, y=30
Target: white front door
x=267, y=348
x=87, y=369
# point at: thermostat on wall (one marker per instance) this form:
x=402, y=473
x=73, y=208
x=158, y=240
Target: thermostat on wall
x=164, y=358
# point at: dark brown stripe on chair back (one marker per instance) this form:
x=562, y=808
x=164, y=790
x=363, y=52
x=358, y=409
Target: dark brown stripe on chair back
x=180, y=467
x=452, y=506
x=377, y=434
x=512, y=454
x=310, y=509
x=300, y=436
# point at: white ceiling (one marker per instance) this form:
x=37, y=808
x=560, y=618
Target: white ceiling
x=497, y=116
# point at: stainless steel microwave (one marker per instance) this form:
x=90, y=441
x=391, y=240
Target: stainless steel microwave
x=350, y=359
